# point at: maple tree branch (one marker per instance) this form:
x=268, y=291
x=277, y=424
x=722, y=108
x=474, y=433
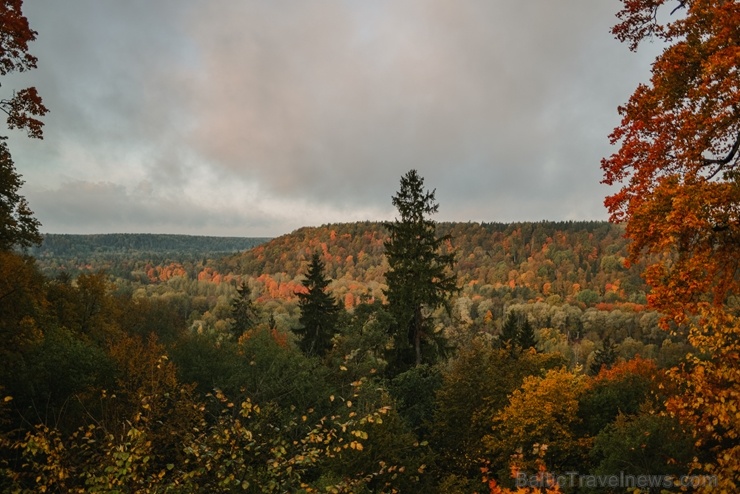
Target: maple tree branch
x=721, y=162
x=681, y=5
x=728, y=158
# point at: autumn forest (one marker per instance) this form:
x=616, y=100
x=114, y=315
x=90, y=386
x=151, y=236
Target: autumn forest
x=402, y=356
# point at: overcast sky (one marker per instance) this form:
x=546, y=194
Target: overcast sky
x=254, y=118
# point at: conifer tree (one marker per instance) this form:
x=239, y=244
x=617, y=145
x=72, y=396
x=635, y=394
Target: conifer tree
x=509, y=330
x=243, y=311
x=319, y=311
x=517, y=333
x=605, y=357
x=419, y=279
x=526, y=335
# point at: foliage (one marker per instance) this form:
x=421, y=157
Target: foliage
x=18, y=227
x=15, y=35
x=677, y=166
x=319, y=311
x=544, y=412
x=414, y=392
x=419, y=277
x=643, y=444
x=239, y=449
x=476, y=384
x=622, y=389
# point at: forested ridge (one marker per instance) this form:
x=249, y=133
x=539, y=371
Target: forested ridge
x=538, y=258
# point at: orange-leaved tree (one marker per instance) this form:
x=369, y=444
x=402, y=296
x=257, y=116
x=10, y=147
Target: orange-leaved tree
x=677, y=165
x=15, y=35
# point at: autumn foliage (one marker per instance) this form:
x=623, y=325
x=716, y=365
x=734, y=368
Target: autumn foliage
x=677, y=165
x=25, y=105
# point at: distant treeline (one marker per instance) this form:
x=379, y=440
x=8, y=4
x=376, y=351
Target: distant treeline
x=64, y=245
x=119, y=254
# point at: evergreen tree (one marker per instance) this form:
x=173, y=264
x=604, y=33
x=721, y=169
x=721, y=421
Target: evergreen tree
x=18, y=227
x=517, y=333
x=509, y=331
x=419, y=279
x=526, y=335
x=243, y=311
x=606, y=357
x=319, y=311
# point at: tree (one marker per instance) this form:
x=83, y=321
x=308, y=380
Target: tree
x=319, y=310
x=243, y=311
x=419, y=279
x=517, y=332
x=476, y=384
x=541, y=416
x=605, y=356
x=18, y=228
x=677, y=165
x=15, y=35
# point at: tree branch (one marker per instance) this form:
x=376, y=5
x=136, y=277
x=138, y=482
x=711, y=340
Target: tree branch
x=721, y=162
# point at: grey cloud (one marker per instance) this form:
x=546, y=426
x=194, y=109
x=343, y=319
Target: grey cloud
x=93, y=207
x=503, y=106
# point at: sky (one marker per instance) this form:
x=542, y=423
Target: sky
x=257, y=117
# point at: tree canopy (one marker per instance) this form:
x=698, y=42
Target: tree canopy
x=677, y=166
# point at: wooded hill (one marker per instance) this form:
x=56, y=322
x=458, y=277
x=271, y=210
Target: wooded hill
x=576, y=261
x=118, y=252
x=567, y=278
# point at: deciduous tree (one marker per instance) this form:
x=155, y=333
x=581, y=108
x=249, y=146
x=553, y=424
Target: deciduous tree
x=15, y=35
x=677, y=165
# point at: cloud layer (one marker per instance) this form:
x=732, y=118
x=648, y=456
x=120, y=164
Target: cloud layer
x=256, y=117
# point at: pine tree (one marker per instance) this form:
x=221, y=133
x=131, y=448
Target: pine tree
x=319, y=311
x=419, y=279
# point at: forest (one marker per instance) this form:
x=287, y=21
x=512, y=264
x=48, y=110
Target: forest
x=399, y=356
x=193, y=375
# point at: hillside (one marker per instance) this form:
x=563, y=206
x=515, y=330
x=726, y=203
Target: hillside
x=580, y=261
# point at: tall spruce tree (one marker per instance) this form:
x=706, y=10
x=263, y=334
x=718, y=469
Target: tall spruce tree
x=420, y=277
x=319, y=311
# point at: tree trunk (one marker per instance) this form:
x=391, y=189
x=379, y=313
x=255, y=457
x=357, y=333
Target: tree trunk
x=417, y=334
